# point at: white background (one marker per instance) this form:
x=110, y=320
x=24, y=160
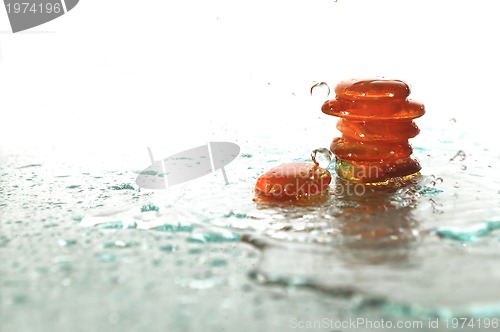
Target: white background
x=117, y=75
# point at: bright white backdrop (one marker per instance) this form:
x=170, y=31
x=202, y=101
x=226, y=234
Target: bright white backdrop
x=117, y=75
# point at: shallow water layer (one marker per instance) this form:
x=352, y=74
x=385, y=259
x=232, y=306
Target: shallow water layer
x=75, y=237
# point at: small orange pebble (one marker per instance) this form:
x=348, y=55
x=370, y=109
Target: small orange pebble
x=376, y=123
x=293, y=182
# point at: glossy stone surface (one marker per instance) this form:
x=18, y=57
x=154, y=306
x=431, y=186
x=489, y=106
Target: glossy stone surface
x=372, y=89
x=370, y=151
x=369, y=110
x=377, y=172
x=305, y=182
x=376, y=123
x=386, y=131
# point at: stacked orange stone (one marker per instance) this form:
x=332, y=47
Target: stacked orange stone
x=376, y=123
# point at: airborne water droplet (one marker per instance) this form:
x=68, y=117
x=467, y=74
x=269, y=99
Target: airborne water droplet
x=460, y=154
x=322, y=157
x=320, y=90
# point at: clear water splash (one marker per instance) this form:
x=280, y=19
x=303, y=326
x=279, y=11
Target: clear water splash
x=460, y=155
x=320, y=90
x=322, y=157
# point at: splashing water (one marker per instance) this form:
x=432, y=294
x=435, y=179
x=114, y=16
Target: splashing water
x=321, y=90
x=460, y=155
x=427, y=238
x=322, y=157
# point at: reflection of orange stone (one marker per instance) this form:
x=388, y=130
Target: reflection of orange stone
x=300, y=182
x=377, y=121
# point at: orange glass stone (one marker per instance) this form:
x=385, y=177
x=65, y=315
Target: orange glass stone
x=369, y=151
x=387, y=131
x=294, y=182
x=377, y=172
x=377, y=121
x=369, y=110
x=372, y=90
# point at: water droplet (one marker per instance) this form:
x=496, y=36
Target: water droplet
x=322, y=157
x=66, y=243
x=3, y=241
x=116, y=224
x=149, y=207
x=169, y=248
x=195, y=251
x=104, y=257
x=199, y=284
x=460, y=154
x=237, y=215
x=463, y=167
x=218, y=262
x=77, y=218
x=174, y=228
x=120, y=244
x=464, y=235
x=123, y=186
x=19, y=299
x=214, y=237
x=320, y=90
x=29, y=166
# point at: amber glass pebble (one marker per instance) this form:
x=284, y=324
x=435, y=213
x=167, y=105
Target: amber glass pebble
x=370, y=151
x=293, y=182
x=374, y=89
x=377, y=121
x=369, y=110
x=369, y=131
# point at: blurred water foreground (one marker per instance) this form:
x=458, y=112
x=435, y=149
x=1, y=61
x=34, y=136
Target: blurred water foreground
x=82, y=247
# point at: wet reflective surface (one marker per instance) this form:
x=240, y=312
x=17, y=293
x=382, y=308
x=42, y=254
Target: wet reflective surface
x=82, y=248
x=80, y=235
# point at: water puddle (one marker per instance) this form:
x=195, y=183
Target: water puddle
x=427, y=239
x=428, y=247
